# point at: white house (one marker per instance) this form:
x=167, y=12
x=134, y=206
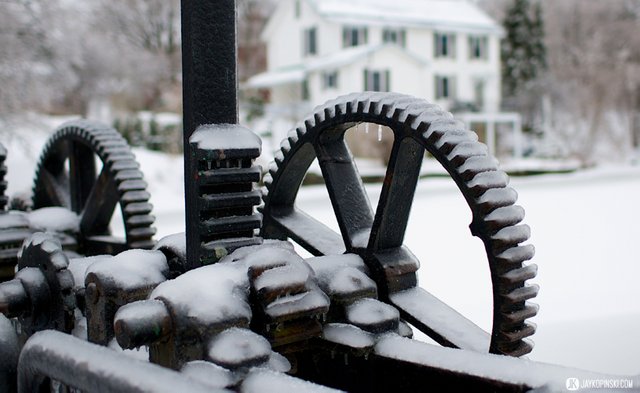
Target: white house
x=446, y=51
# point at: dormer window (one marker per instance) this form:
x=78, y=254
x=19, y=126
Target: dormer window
x=354, y=36
x=394, y=36
x=445, y=45
x=310, y=41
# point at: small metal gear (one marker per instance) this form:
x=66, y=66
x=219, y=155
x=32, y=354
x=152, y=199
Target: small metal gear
x=41, y=296
x=377, y=237
x=67, y=176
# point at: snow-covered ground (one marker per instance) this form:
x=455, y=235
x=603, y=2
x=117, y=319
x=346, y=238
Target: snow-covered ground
x=584, y=226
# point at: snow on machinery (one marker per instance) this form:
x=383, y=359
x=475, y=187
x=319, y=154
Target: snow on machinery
x=229, y=305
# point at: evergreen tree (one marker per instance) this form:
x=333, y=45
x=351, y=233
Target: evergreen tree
x=523, y=49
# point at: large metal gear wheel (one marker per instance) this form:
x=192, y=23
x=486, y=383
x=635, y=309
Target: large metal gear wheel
x=378, y=237
x=67, y=176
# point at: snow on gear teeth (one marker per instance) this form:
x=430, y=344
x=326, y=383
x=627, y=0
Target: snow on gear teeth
x=226, y=199
x=121, y=169
x=496, y=218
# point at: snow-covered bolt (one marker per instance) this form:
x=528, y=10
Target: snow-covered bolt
x=141, y=323
x=111, y=283
x=182, y=315
x=373, y=316
x=92, y=294
x=13, y=298
x=238, y=348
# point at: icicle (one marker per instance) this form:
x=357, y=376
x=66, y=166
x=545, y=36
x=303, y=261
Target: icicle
x=379, y=133
x=346, y=359
x=366, y=128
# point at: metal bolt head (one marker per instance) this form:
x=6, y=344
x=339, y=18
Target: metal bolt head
x=92, y=294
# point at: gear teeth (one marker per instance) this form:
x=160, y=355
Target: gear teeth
x=135, y=196
x=285, y=146
x=125, y=165
x=451, y=140
x=519, y=276
x=230, y=175
x=279, y=158
x=267, y=180
x=516, y=255
x=511, y=236
x=517, y=317
x=429, y=115
x=310, y=123
x=230, y=224
x=318, y=117
x=132, y=185
x=465, y=150
x=504, y=216
x=138, y=208
x=400, y=109
x=130, y=174
x=495, y=198
x=411, y=112
x=484, y=181
x=229, y=200
x=527, y=330
x=140, y=221
x=518, y=349
x=273, y=169
x=141, y=233
x=441, y=126
x=475, y=165
x=522, y=294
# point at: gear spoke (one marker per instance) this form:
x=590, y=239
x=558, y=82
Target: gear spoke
x=397, y=194
x=305, y=230
x=55, y=188
x=99, y=206
x=82, y=174
x=439, y=321
x=346, y=190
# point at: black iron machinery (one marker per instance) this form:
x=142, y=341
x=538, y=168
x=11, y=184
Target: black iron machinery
x=229, y=305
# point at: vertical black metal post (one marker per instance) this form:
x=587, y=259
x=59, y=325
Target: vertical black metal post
x=209, y=72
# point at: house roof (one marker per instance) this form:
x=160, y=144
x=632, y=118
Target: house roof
x=279, y=77
x=333, y=61
x=437, y=14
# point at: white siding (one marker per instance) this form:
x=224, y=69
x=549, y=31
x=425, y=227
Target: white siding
x=413, y=69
